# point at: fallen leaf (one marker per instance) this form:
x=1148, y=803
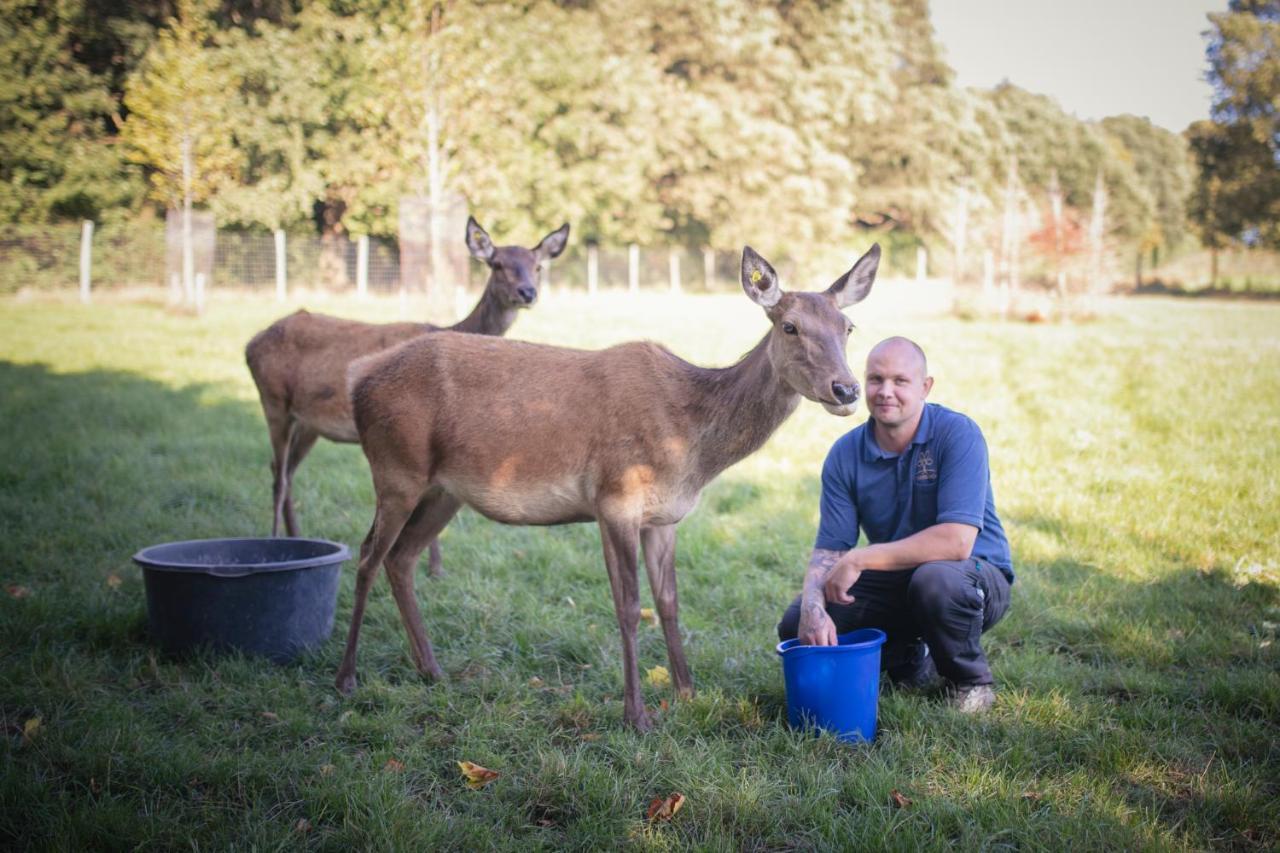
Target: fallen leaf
x=662, y=703
x=535, y=682
x=113, y=580
x=570, y=601
x=30, y=729
x=17, y=591
x=477, y=776
x=590, y=736
x=647, y=614
x=327, y=769
x=303, y=826
x=899, y=801
x=270, y=715
x=659, y=677
x=660, y=809
x=393, y=765
x=94, y=786
x=1033, y=796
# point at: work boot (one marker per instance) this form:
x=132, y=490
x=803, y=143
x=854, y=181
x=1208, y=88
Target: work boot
x=972, y=698
x=918, y=672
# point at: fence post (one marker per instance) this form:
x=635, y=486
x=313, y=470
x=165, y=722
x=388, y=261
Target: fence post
x=673, y=265
x=593, y=268
x=282, y=283
x=86, y=258
x=922, y=263
x=362, y=266
x=199, y=293
x=709, y=268
x=988, y=272
x=633, y=268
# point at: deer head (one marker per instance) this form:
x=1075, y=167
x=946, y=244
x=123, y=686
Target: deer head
x=807, y=344
x=513, y=270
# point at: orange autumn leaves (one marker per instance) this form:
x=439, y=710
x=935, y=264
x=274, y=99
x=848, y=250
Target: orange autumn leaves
x=477, y=777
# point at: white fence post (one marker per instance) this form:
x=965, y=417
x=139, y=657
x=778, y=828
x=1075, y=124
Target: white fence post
x=988, y=272
x=282, y=281
x=86, y=258
x=673, y=265
x=709, y=268
x=199, y=293
x=593, y=268
x=922, y=263
x=633, y=268
x=362, y=266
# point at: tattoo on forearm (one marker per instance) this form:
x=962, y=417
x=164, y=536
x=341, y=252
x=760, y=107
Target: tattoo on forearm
x=820, y=564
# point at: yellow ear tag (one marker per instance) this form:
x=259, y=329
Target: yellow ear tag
x=756, y=276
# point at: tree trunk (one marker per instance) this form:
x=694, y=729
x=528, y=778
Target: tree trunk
x=333, y=245
x=188, y=247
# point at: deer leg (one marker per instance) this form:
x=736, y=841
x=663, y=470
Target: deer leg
x=620, y=539
x=435, y=562
x=394, y=509
x=281, y=429
x=433, y=512
x=301, y=441
x=660, y=562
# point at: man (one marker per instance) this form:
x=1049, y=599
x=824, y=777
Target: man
x=937, y=569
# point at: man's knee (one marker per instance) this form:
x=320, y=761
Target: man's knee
x=941, y=585
x=789, y=627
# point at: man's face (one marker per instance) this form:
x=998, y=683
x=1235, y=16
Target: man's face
x=896, y=384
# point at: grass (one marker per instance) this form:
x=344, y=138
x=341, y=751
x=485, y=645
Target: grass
x=1135, y=464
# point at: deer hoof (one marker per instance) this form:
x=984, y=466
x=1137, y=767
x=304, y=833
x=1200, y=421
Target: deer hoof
x=346, y=684
x=685, y=693
x=641, y=722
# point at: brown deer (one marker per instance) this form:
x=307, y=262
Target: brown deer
x=627, y=436
x=299, y=362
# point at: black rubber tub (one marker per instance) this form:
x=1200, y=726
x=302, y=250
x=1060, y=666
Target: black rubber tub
x=269, y=597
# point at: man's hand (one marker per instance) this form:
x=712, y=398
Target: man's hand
x=816, y=627
x=843, y=574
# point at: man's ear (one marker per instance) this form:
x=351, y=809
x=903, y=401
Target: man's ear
x=478, y=241
x=928, y=385
x=759, y=279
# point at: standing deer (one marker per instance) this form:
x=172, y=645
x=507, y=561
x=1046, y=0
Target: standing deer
x=627, y=436
x=300, y=362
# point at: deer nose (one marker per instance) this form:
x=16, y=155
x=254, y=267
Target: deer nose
x=528, y=294
x=845, y=393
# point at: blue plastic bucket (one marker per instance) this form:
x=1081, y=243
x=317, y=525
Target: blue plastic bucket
x=835, y=688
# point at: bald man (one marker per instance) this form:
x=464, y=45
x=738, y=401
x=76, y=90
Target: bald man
x=936, y=571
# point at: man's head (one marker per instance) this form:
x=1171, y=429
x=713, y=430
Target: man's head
x=897, y=382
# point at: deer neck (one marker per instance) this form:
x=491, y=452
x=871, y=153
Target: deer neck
x=739, y=408
x=489, y=317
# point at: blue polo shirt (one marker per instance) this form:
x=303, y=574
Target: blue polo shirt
x=942, y=476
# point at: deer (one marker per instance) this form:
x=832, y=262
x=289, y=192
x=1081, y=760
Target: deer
x=299, y=362
x=532, y=434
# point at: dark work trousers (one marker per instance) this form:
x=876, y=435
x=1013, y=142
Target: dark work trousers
x=946, y=604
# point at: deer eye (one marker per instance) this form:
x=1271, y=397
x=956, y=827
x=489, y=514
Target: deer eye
x=789, y=328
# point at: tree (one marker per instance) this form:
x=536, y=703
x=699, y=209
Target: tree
x=1238, y=152
x=177, y=125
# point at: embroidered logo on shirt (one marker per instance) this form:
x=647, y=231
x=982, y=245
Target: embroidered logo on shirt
x=926, y=471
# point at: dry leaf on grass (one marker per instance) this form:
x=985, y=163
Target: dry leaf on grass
x=477, y=776
x=327, y=769
x=663, y=704
x=659, y=677
x=17, y=591
x=899, y=801
x=647, y=614
x=303, y=826
x=589, y=736
x=269, y=715
x=31, y=728
x=1031, y=796
x=535, y=682
x=113, y=580
x=393, y=765
x=661, y=809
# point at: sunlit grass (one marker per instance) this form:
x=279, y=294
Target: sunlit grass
x=1135, y=463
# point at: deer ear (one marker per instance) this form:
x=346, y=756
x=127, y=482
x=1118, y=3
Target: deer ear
x=853, y=287
x=478, y=241
x=552, y=244
x=759, y=280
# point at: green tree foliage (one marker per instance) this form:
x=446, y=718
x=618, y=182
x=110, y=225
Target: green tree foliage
x=178, y=110
x=57, y=160
x=1238, y=152
x=1163, y=166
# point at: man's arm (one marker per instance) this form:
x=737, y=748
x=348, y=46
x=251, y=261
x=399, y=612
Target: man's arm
x=816, y=627
x=946, y=541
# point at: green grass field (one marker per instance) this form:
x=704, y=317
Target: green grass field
x=1136, y=465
